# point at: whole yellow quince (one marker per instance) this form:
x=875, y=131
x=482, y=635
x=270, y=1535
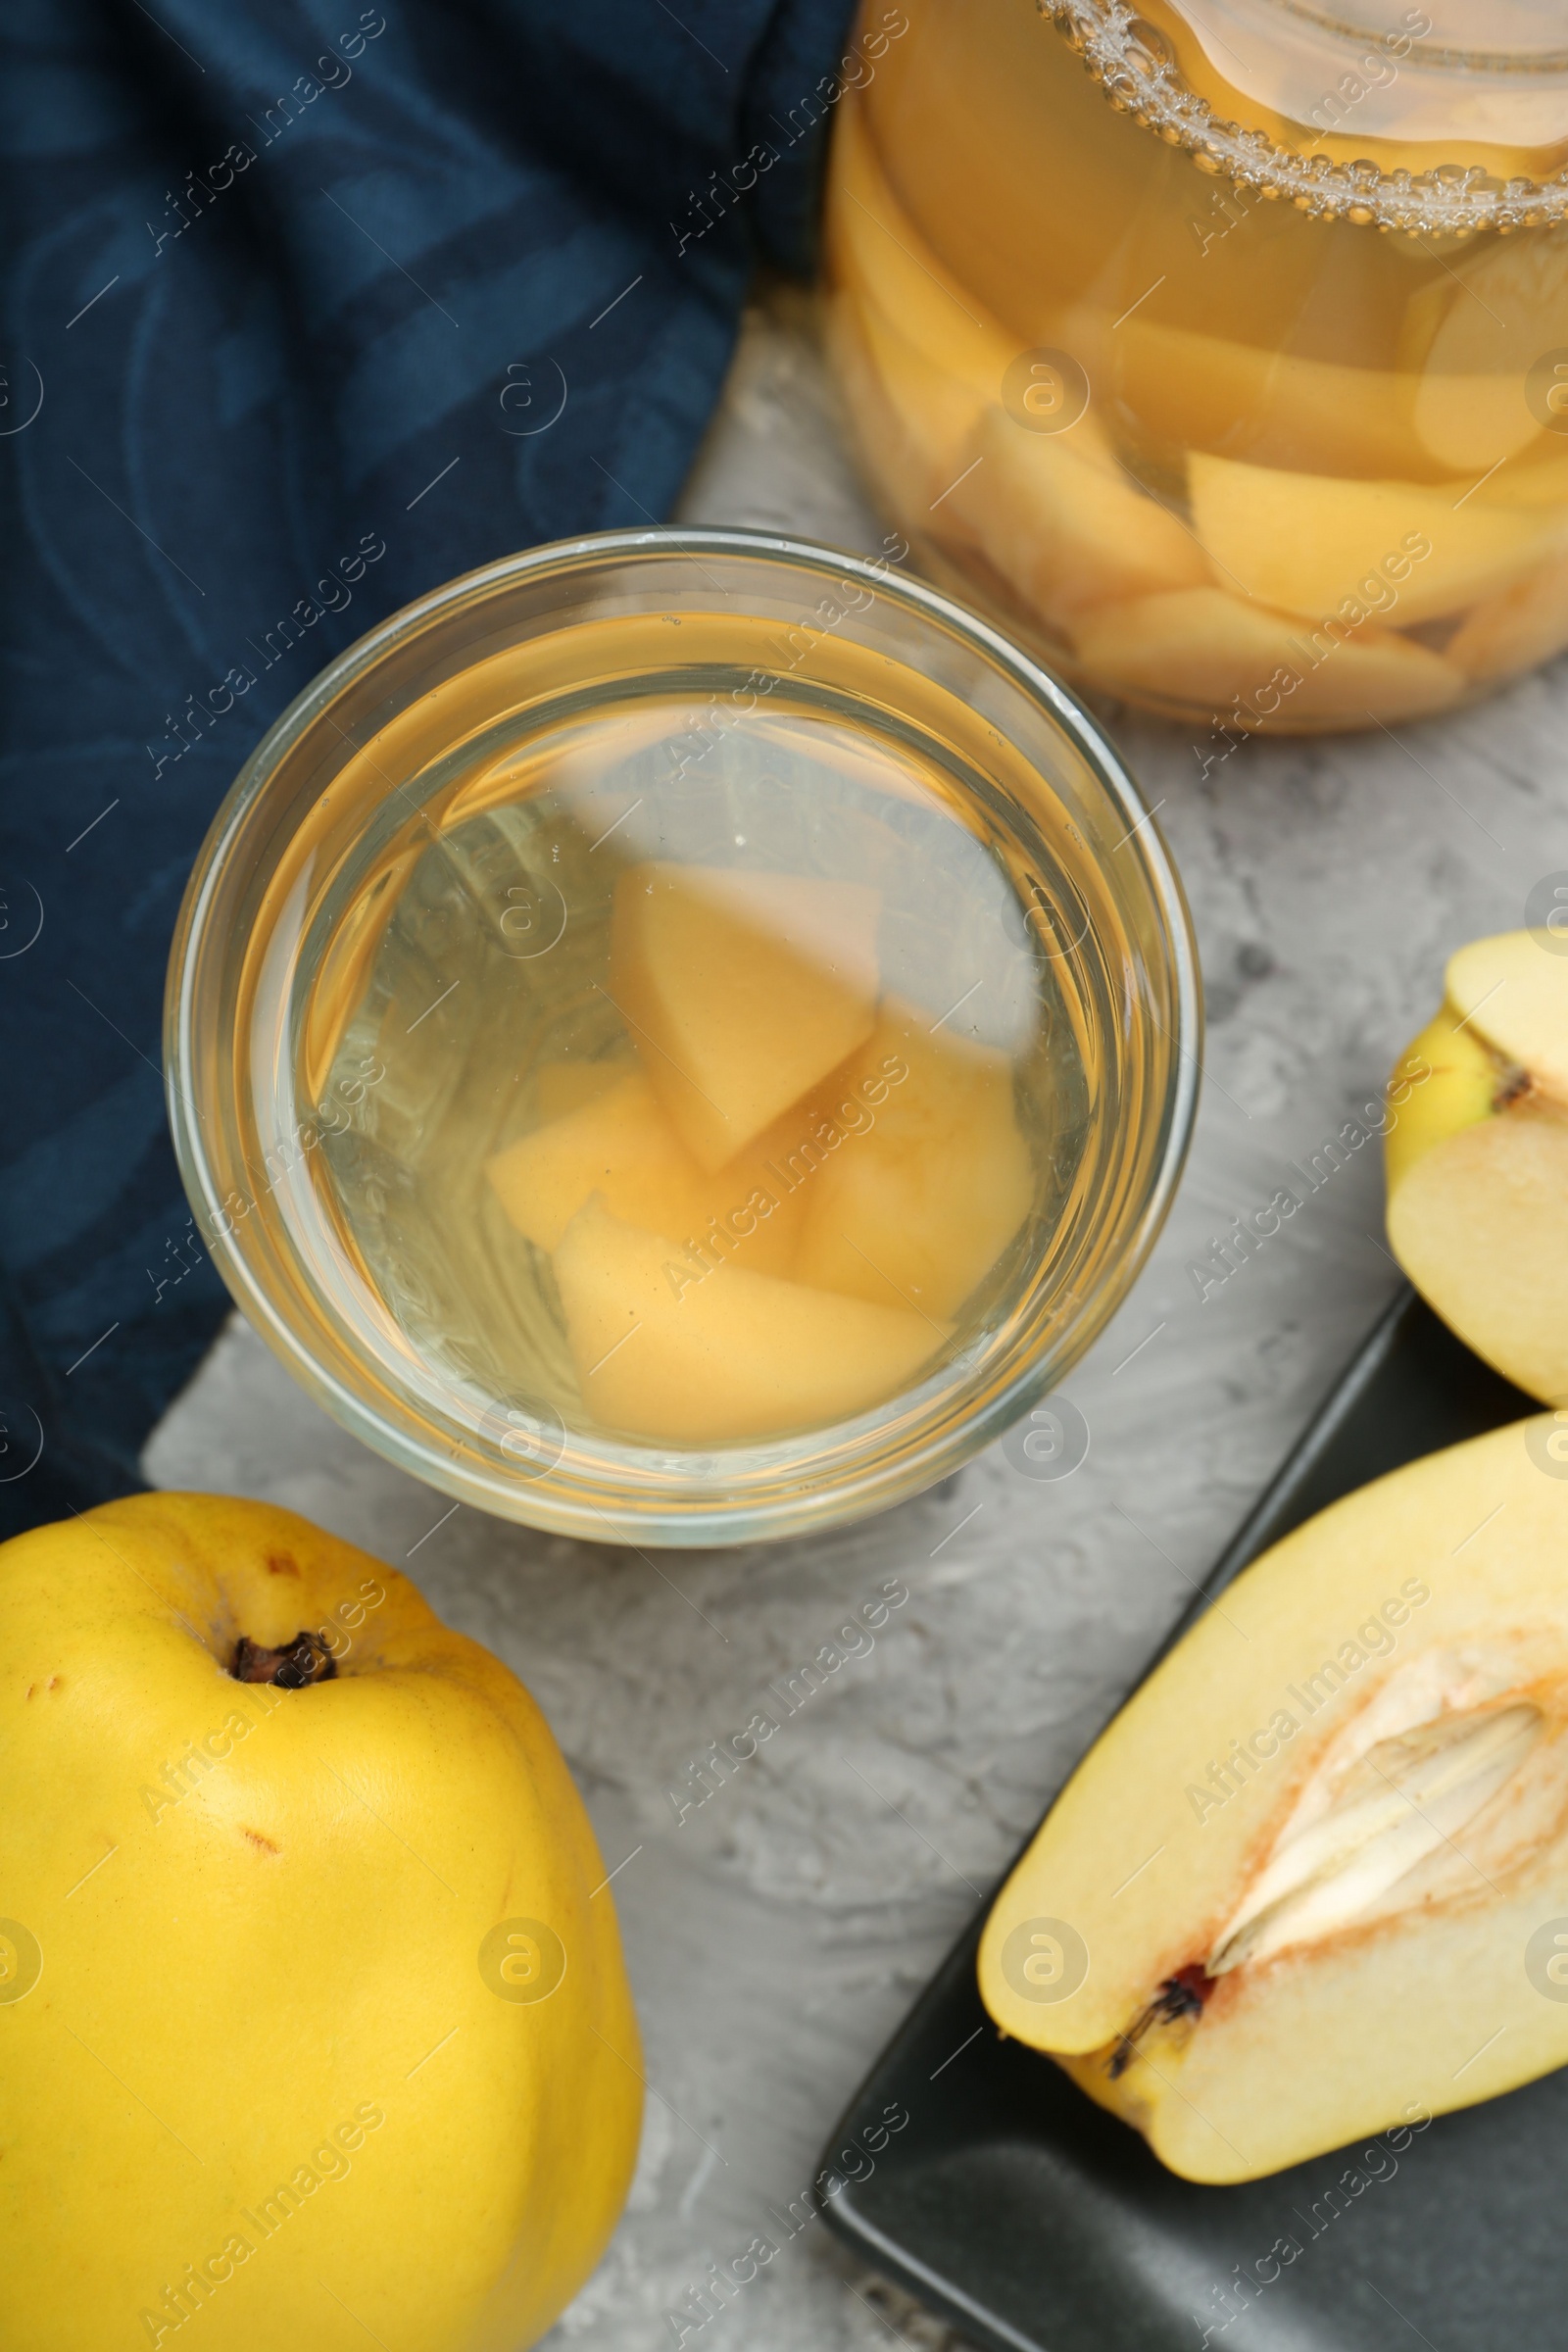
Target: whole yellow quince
x=313, y=2024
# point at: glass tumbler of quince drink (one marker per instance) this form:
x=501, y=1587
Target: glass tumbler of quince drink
x=1222, y=350
x=681, y=1037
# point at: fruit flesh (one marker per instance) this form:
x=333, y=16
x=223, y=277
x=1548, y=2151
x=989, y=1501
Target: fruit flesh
x=1445, y=1079
x=1516, y=628
x=1481, y=1226
x=1305, y=1865
x=1309, y=384
x=1218, y=395
x=817, y=1269
x=294, y=1890
x=923, y=1205
x=882, y=255
x=1208, y=642
x=1307, y=543
x=741, y=989
x=1478, y=1162
x=621, y=1146
x=670, y=1347
x=1516, y=994
x=1062, y=524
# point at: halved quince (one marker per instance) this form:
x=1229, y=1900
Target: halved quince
x=929, y=1178
x=1478, y=1160
x=696, y=1351
x=1305, y=1886
x=741, y=989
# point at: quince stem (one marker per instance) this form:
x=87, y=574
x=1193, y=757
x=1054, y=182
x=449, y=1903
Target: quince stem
x=304, y=1661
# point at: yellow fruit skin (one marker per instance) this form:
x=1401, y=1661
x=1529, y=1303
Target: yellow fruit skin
x=1437, y=1571
x=1445, y=1079
x=261, y=1913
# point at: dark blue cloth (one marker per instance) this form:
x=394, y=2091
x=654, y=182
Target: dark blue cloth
x=289, y=290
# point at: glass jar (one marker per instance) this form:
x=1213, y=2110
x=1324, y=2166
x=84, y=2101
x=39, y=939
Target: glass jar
x=536, y=908
x=1222, y=350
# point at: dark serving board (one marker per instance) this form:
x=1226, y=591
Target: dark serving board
x=1034, y=2222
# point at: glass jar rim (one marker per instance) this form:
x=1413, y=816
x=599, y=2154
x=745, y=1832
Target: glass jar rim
x=203, y=946
x=1132, y=61
x=1469, y=56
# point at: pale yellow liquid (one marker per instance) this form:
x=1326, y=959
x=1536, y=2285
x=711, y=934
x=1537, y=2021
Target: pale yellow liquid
x=530, y=1180
x=1319, y=480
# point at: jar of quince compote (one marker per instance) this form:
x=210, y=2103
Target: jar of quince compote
x=1221, y=351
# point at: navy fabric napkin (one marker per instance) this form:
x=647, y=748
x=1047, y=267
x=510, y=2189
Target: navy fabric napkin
x=306, y=308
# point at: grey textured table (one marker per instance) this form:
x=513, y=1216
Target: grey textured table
x=776, y=1936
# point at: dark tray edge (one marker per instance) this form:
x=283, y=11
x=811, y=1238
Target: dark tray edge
x=1269, y=1518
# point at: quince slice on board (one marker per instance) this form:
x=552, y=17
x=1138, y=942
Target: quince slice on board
x=1305, y=1887
x=741, y=989
x=1478, y=1170
x=916, y=1202
x=1308, y=541
x=668, y=1348
x=1204, y=646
